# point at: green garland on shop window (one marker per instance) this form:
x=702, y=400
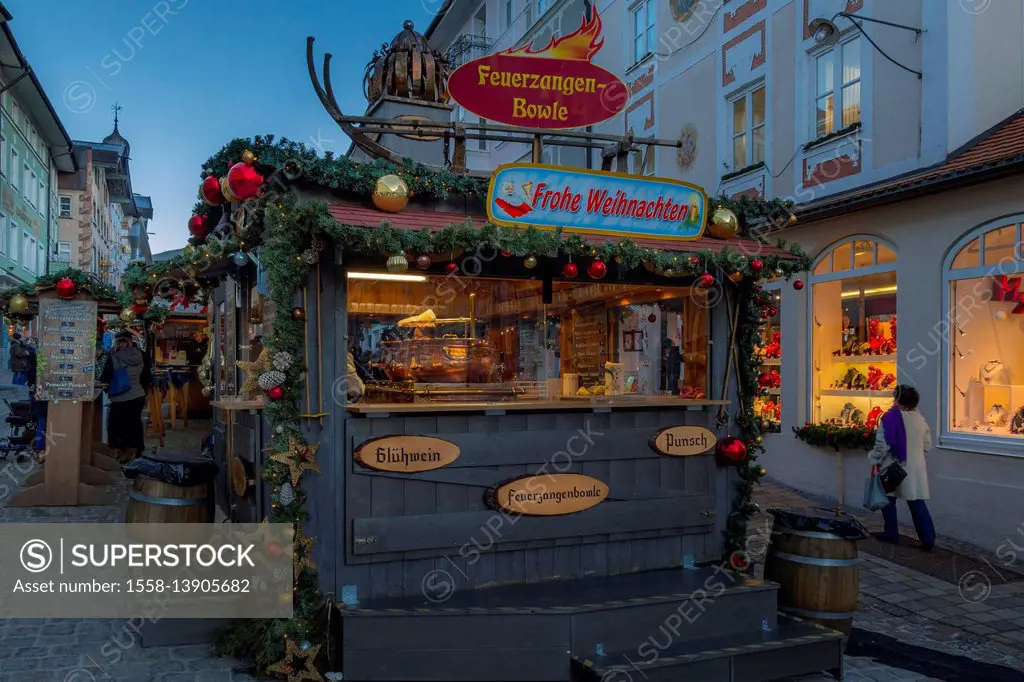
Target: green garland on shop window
x=856, y=437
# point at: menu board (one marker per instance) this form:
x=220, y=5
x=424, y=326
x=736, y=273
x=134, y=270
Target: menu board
x=590, y=335
x=66, y=361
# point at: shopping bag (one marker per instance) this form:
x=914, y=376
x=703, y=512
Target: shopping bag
x=119, y=382
x=874, y=496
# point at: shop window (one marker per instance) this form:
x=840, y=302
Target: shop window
x=985, y=368
x=853, y=333
x=424, y=339
x=768, y=404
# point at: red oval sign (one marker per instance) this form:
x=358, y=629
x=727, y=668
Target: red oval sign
x=538, y=92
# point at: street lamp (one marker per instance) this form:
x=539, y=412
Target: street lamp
x=826, y=33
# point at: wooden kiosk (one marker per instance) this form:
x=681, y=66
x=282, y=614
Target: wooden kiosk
x=75, y=460
x=514, y=453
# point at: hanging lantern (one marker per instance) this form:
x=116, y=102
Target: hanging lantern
x=756, y=265
x=66, y=288
x=731, y=451
x=423, y=262
x=127, y=315
x=18, y=303
x=724, y=224
x=210, y=192
x=225, y=190
x=244, y=181
x=298, y=313
x=798, y=284
x=240, y=258
x=276, y=393
x=597, y=269
x=398, y=264
x=705, y=280
x=390, y=193
x=530, y=262
x=570, y=270
x=199, y=225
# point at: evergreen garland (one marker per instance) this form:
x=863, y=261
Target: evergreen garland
x=86, y=282
x=856, y=437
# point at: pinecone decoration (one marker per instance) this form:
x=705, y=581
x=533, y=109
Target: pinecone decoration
x=269, y=380
x=310, y=256
x=283, y=361
x=286, y=494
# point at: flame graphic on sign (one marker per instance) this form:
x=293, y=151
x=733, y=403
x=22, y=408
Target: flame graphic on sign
x=581, y=45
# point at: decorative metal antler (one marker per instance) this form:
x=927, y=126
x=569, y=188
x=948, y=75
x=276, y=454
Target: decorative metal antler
x=326, y=94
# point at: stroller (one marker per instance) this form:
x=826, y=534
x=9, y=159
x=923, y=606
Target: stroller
x=22, y=424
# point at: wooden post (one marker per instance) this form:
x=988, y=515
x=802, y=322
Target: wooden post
x=459, y=153
x=538, y=149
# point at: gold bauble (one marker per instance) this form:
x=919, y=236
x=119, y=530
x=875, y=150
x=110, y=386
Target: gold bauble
x=127, y=315
x=398, y=264
x=248, y=157
x=792, y=219
x=391, y=194
x=761, y=472
x=724, y=224
x=530, y=263
x=18, y=304
x=736, y=276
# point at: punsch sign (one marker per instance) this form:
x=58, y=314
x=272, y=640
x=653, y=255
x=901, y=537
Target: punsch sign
x=596, y=202
x=556, y=87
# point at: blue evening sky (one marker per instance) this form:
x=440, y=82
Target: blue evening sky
x=205, y=72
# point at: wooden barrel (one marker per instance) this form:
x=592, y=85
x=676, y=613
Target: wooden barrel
x=814, y=561
x=153, y=501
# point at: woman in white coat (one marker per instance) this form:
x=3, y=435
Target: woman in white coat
x=903, y=436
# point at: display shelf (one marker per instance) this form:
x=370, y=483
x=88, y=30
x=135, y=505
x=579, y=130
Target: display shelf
x=842, y=392
x=860, y=359
x=772, y=362
x=771, y=391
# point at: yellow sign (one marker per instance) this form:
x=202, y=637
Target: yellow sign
x=549, y=495
x=406, y=454
x=683, y=441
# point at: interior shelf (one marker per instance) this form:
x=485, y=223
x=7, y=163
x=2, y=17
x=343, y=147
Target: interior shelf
x=857, y=359
x=886, y=393
x=774, y=362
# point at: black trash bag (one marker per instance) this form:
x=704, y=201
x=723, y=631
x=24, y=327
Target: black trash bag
x=194, y=471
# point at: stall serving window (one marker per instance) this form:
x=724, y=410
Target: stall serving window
x=768, y=403
x=985, y=341
x=854, y=338
x=427, y=339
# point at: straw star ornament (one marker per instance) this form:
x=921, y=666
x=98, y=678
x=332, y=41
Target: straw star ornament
x=288, y=666
x=299, y=458
x=254, y=369
x=302, y=556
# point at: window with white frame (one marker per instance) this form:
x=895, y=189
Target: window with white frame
x=65, y=206
x=748, y=128
x=63, y=252
x=29, y=188
x=40, y=259
x=837, y=87
x=12, y=243
x=3, y=233
x=542, y=6
x=983, y=369
x=42, y=199
x=16, y=114
x=3, y=154
x=15, y=168
x=643, y=29
x=28, y=252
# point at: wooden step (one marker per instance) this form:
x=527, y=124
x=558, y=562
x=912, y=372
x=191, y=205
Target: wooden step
x=793, y=648
x=525, y=632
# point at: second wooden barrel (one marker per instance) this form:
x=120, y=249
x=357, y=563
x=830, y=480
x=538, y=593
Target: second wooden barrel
x=815, y=565
x=155, y=501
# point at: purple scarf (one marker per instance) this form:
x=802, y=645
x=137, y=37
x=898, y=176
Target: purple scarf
x=895, y=433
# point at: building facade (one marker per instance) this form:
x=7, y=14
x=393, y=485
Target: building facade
x=34, y=149
x=103, y=222
x=901, y=142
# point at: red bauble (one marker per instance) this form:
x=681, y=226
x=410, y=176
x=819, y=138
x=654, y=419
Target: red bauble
x=732, y=450
x=652, y=318
x=772, y=312
x=756, y=266
x=798, y=284
x=199, y=225
x=139, y=308
x=66, y=288
x=506, y=254
x=423, y=262
x=210, y=191
x=597, y=270
x=764, y=380
x=693, y=260
x=705, y=280
x=570, y=270
x=244, y=181
x=276, y=393
x=451, y=267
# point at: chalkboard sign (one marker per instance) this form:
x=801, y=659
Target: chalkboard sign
x=66, y=359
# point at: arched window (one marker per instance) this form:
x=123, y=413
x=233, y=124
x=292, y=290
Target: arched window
x=984, y=378
x=853, y=299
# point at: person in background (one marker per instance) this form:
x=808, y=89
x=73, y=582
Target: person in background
x=904, y=436
x=33, y=346
x=126, y=434
x=21, y=356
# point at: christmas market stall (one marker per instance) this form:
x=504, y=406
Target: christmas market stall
x=511, y=414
